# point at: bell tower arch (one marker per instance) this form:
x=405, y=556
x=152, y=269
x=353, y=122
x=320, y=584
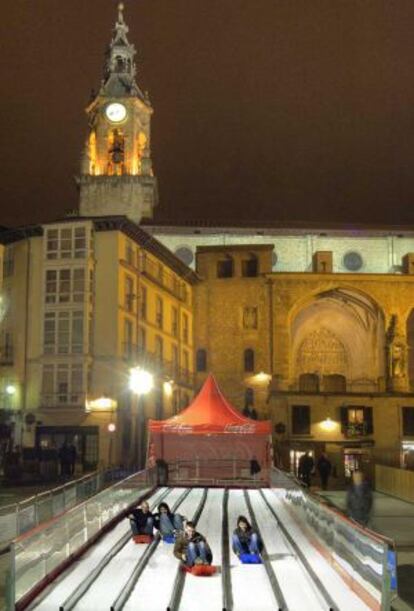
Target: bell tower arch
x=116, y=167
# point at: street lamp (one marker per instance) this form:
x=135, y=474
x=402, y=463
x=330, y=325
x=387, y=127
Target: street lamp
x=141, y=382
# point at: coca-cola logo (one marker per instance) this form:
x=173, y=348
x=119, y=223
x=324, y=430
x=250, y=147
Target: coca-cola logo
x=240, y=428
x=182, y=429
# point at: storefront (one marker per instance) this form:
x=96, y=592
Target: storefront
x=84, y=438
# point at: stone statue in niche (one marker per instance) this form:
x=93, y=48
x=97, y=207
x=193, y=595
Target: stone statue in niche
x=396, y=350
x=250, y=317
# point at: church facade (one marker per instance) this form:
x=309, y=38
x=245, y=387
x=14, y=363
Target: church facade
x=312, y=327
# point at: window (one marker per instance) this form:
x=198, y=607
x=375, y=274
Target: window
x=334, y=383
x=225, y=268
x=174, y=360
x=201, y=360
x=159, y=312
x=8, y=262
x=6, y=347
x=356, y=420
x=353, y=261
x=309, y=382
x=63, y=333
x=248, y=359
x=141, y=339
x=301, y=420
x=186, y=361
x=408, y=420
x=66, y=243
x=130, y=253
x=250, y=267
x=159, y=348
x=185, y=329
x=65, y=285
x=63, y=384
x=128, y=335
x=174, y=321
x=129, y=294
x=143, y=302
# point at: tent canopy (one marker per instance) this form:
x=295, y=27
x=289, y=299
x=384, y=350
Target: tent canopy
x=210, y=413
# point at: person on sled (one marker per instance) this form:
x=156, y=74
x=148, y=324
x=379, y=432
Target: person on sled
x=192, y=548
x=245, y=540
x=166, y=522
x=141, y=520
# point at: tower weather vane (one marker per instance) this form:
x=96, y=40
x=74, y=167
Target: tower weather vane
x=121, y=7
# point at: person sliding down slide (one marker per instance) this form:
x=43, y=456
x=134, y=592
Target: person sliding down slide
x=194, y=551
x=141, y=520
x=169, y=524
x=245, y=540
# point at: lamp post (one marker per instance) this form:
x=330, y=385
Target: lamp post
x=141, y=382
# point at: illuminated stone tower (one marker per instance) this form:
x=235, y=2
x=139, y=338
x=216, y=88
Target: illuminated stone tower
x=116, y=168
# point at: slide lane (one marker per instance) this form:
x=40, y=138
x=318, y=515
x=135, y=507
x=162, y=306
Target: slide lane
x=115, y=575
x=343, y=596
x=298, y=590
x=198, y=590
x=154, y=588
x=251, y=587
x=63, y=587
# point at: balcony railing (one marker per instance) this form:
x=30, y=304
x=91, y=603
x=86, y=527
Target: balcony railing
x=135, y=355
x=163, y=278
x=356, y=429
x=63, y=399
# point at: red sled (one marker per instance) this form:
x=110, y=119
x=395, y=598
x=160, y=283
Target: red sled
x=142, y=538
x=200, y=570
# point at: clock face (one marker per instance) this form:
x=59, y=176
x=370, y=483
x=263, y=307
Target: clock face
x=115, y=112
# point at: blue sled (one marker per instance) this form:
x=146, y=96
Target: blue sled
x=168, y=539
x=250, y=559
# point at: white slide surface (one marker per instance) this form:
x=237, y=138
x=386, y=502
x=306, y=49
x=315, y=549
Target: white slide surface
x=154, y=588
x=250, y=584
x=198, y=590
x=63, y=587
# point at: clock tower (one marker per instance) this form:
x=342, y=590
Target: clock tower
x=116, y=168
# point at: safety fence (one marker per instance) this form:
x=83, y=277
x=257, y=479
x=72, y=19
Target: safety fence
x=40, y=554
x=216, y=472
x=365, y=560
x=397, y=482
x=18, y=518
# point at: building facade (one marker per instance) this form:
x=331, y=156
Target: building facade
x=83, y=301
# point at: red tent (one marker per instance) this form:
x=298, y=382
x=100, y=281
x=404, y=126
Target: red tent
x=211, y=432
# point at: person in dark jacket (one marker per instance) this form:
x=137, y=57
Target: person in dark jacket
x=141, y=520
x=359, y=499
x=245, y=540
x=166, y=522
x=255, y=468
x=324, y=467
x=192, y=548
x=305, y=468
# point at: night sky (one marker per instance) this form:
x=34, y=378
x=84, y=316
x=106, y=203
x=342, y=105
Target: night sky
x=265, y=110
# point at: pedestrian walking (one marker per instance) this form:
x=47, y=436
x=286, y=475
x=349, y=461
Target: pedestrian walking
x=324, y=468
x=305, y=468
x=359, y=499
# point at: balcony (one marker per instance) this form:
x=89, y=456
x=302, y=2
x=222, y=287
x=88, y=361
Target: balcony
x=136, y=355
x=163, y=278
x=63, y=399
x=355, y=429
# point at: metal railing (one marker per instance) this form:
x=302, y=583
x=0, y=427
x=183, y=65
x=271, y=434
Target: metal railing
x=51, y=547
x=18, y=518
x=215, y=472
x=159, y=366
x=165, y=279
x=68, y=399
x=365, y=559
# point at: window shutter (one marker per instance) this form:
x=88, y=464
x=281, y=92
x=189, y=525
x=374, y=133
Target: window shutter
x=344, y=418
x=368, y=420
